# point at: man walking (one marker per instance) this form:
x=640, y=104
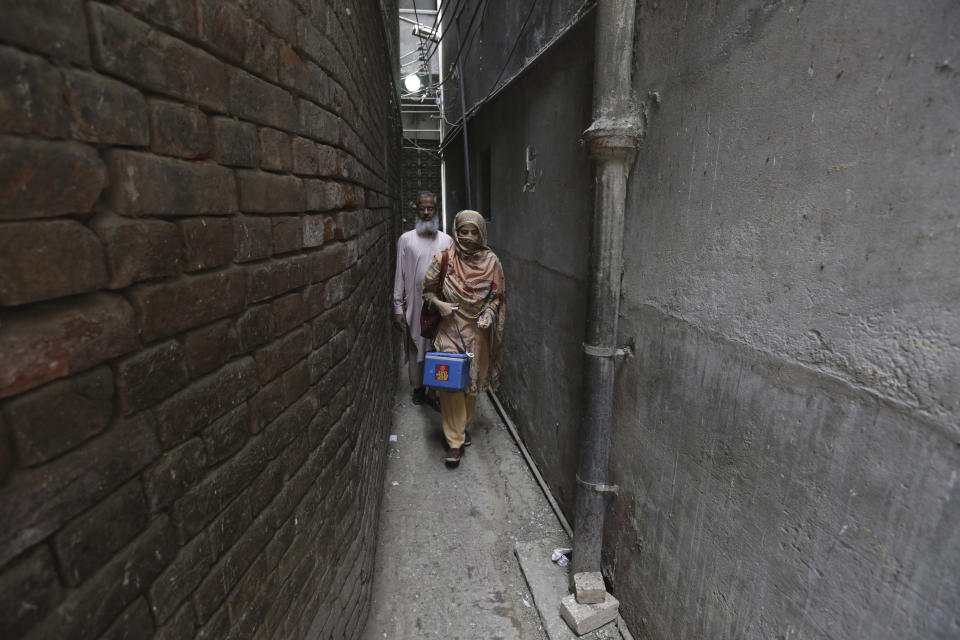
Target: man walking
x=415, y=249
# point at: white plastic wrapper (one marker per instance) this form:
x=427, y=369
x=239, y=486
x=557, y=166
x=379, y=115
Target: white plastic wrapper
x=560, y=556
x=393, y=437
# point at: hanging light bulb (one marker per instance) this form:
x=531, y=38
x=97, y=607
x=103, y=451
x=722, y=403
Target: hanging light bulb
x=412, y=83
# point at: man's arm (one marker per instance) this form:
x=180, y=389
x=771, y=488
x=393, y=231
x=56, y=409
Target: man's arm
x=399, y=289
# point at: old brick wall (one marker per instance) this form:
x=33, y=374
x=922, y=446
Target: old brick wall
x=197, y=200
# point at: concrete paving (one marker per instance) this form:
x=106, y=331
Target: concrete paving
x=445, y=565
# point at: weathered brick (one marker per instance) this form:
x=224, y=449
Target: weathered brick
x=217, y=627
x=149, y=376
x=199, y=506
x=275, y=150
x=178, y=130
x=280, y=542
x=52, y=340
x=227, y=528
x=138, y=249
x=104, y=110
x=56, y=417
x=42, y=178
x=260, y=55
x=7, y=460
x=276, y=277
x=53, y=27
x=287, y=234
x=30, y=591
x=288, y=426
x=258, y=101
x=288, y=311
x=134, y=622
x=318, y=124
x=174, y=473
x=179, y=16
x=276, y=396
x=255, y=327
x=262, y=192
x=88, y=542
x=280, y=16
x=48, y=259
x=313, y=43
x=181, y=626
x=179, y=579
x=234, y=143
x=205, y=400
x=210, y=347
x=253, y=238
x=227, y=434
x=313, y=230
x=266, y=486
x=30, y=90
x=227, y=572
x=128, y=48
x=281, y=354
x=207, y=242
x=341, y=344
x=91, y=608
x=223, y=28
x=329, y=228
x=39, y=501
x=243, y=605
x=304, y=156
x=331, y=260
x=190, y=301
x=146, y=184
x=349, y=224
x=319, y=427
x=327, y=325
x=302, y=75
x=325, y=195
x=319, y=362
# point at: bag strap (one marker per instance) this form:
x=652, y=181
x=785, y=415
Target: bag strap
x=444, y=261
x=443, y=276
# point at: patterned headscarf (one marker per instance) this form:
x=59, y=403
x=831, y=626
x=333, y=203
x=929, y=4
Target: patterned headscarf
x=465, y=218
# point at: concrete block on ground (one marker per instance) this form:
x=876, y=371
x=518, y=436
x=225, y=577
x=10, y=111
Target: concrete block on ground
x=584, y=618
x=547, y=582
x=589, y=588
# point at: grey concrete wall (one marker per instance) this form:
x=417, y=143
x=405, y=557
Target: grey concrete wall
x=499, y=38
x=787, y=437
x=540, y=229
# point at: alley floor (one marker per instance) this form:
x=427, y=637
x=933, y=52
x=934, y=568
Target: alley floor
x=445, y=565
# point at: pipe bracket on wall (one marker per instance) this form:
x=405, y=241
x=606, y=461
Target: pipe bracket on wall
x=599, y=487
x=600, y=351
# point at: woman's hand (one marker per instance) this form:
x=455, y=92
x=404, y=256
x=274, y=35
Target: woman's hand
x=485, y=319
x=445, y=308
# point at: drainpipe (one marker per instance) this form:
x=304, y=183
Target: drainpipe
x=613, y=140
x=463, y=115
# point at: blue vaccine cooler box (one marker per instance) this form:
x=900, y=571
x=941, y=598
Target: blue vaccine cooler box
x=450, y=371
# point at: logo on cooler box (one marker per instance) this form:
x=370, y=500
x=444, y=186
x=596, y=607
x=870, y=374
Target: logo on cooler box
x=443, y=372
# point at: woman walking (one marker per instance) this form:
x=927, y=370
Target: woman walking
x=473, y=308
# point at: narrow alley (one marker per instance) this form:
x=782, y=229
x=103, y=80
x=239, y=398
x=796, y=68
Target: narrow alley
x=698, y=262
x=446, y=548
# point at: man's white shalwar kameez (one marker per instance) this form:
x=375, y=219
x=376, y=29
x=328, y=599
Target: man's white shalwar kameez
x=414, y=253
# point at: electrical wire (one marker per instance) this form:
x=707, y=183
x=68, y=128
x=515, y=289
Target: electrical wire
x=463, y=117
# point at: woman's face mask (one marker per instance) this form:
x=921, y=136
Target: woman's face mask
x=469, y=236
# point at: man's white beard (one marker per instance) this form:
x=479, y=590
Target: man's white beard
x=427, y=227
